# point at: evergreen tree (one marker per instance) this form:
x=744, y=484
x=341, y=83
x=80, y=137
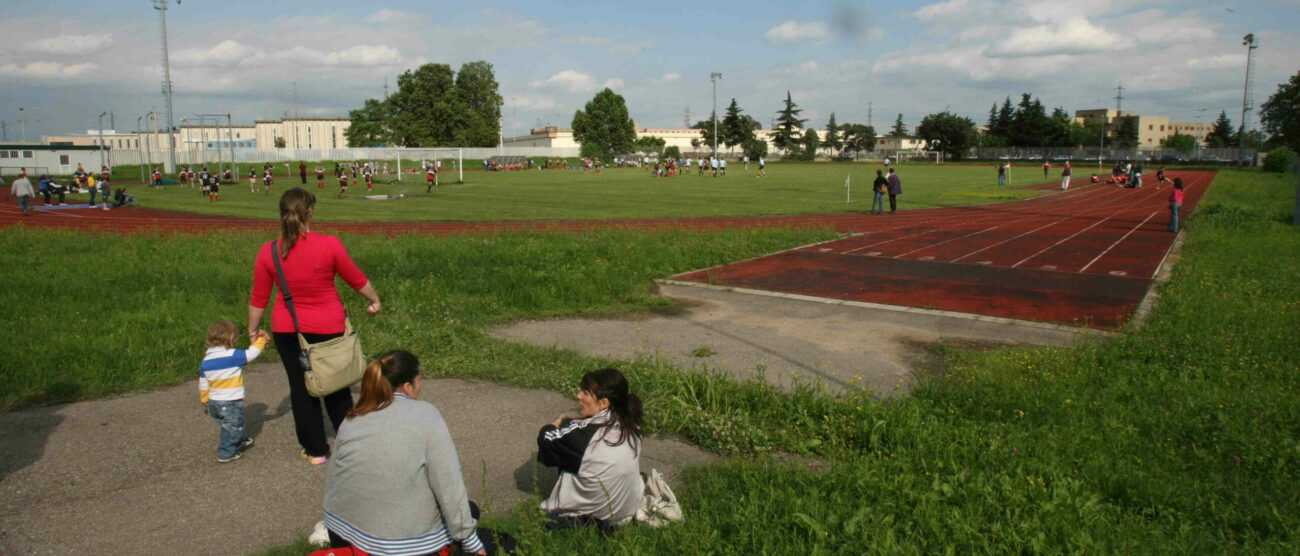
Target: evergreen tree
x=811, y=142
x=1005, y=116
x=788, y=125
x=899, y=129
x=706, y=127
x=1126, y=132
x=735, y=128
x=832, y=140
x=1222, y=134
x=604, y=128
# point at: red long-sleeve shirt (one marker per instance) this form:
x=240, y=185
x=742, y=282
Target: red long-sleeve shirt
x=309, y=271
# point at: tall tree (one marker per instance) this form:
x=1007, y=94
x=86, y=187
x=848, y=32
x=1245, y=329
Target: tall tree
x=899, y=129
x=1029, y=124
x=811, y=142
x=1280, y=114
x=952, y=134
x=788, y=125
x=424, y=109
x=1006, y=115
x=603, y=127
x=477, y=97
x=833, y=141
x=369, y=126
x=706, y=128
x=1222, y=133
x=735, y=126
x=859, y=137
x=1058, y=129
x=1126, y=132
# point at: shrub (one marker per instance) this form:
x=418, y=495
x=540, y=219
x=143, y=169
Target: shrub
x=1280, y=159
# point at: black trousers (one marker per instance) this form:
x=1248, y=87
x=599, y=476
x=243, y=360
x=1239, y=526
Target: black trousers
x=307, y=419
x=304, y=178
x=893, y=203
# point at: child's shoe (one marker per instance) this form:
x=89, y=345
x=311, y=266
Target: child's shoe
x=314, y=460
x=229, y=459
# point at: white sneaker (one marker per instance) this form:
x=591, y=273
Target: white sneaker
x=319, y=535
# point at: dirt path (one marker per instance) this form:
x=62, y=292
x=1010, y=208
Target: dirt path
x=138, y=474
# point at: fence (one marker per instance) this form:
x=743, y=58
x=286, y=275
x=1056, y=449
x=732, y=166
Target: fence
x=1154, y=155
x=211, y=157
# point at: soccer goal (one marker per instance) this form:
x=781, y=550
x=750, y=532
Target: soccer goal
x=414, y=161
x=919, y=156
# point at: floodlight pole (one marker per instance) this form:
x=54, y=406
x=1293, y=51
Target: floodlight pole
x=22, y=123
x=101, y=139
x=161, y=6
x=714, y=77
x=1249, y=42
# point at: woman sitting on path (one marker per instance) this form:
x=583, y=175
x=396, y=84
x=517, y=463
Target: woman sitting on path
x=394, y=485
x=597, y=452
x=310, y=262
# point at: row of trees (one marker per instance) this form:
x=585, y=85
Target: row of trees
x=433, y=107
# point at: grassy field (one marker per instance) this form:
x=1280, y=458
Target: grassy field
x=1180, y=437
x=614, y=193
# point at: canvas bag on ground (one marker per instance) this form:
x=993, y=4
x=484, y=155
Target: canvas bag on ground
x=331, y=365
x=659, y=505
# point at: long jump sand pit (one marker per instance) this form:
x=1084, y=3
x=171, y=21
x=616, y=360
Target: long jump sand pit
x=787, y=339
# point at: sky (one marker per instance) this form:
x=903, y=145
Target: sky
x=63, y=63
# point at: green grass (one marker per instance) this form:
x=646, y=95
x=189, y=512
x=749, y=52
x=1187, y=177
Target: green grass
x=614, y=193
x=1182, y=437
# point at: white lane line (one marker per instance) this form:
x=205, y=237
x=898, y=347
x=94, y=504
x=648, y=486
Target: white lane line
x=890, y=240
x=1045, y=249
x=986, y=248
x=1112, y=246
x=949, y=240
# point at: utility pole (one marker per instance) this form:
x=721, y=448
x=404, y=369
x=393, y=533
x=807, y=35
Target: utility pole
x=22, y=123
x=1119, y=98
x=295, y=115
x=1251, y=44
x=161, y=6
x=4, y=131
x=868, y=113
x=686, y=118
x=714, y=77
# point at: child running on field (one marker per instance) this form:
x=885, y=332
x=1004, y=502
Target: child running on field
x=343, y=183
x=370, y=185
x=221, y=386
x=320, y=177
x=267, y=178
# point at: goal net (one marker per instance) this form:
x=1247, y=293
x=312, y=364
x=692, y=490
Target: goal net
x=410, y=164
x=919, y=156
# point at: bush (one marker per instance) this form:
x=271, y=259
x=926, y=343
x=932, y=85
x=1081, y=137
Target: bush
x=1280, y=159
x=673, y=152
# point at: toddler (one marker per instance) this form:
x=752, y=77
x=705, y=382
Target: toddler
x=221, y=385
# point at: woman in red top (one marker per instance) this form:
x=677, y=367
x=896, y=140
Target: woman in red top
x=310, y=262
x=1175, y=204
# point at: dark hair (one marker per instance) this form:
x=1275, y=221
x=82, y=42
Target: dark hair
x=295, y=212
x=878, y=173
x=1178, y=183
x=382, y=378
x=625, y=407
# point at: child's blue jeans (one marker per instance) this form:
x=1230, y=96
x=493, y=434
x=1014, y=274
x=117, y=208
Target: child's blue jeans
x=231, y=416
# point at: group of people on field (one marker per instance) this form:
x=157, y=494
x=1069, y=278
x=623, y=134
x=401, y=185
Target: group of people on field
x=394, y=482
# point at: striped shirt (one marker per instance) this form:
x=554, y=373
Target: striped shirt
x=221, y=376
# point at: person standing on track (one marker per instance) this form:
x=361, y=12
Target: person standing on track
x=1175, y=204
x=302, y=171
x=1065, y=176
x=22, y=188
x=879, y=188
x=895, y=189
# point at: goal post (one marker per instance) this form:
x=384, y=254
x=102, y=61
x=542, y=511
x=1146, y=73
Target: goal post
x=411, y=161
x=919, y=156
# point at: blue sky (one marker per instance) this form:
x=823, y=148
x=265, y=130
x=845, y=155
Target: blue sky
x=65, y=63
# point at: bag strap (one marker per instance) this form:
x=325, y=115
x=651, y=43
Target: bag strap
x=284, y=286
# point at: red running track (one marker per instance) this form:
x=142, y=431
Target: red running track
x=1084, y=256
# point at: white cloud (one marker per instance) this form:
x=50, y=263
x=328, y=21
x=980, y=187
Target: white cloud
x=71, y=44
x=573, y=81
x=391, y=16
x=45, y=70
x=613, y=83
x=529, y=102
x=809, y=67
x=671, y=77
x=224, y=53
x=942, y=9
x=794, y=31
x=1221, y=61
x=1075, y=36
x=366, y=55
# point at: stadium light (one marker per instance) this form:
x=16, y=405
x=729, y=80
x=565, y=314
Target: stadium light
x=714, y=77
x=1251, y=44
x=101, y=138
x=161, y=6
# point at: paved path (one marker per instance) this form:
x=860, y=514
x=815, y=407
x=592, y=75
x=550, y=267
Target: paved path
x=137, y=474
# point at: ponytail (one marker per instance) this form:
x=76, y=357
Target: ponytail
x=382, y=378
x=624, y=407
x=295, y=213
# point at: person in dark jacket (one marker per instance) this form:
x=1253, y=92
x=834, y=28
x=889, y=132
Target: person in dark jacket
x=895, y=189
x=879, y=188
